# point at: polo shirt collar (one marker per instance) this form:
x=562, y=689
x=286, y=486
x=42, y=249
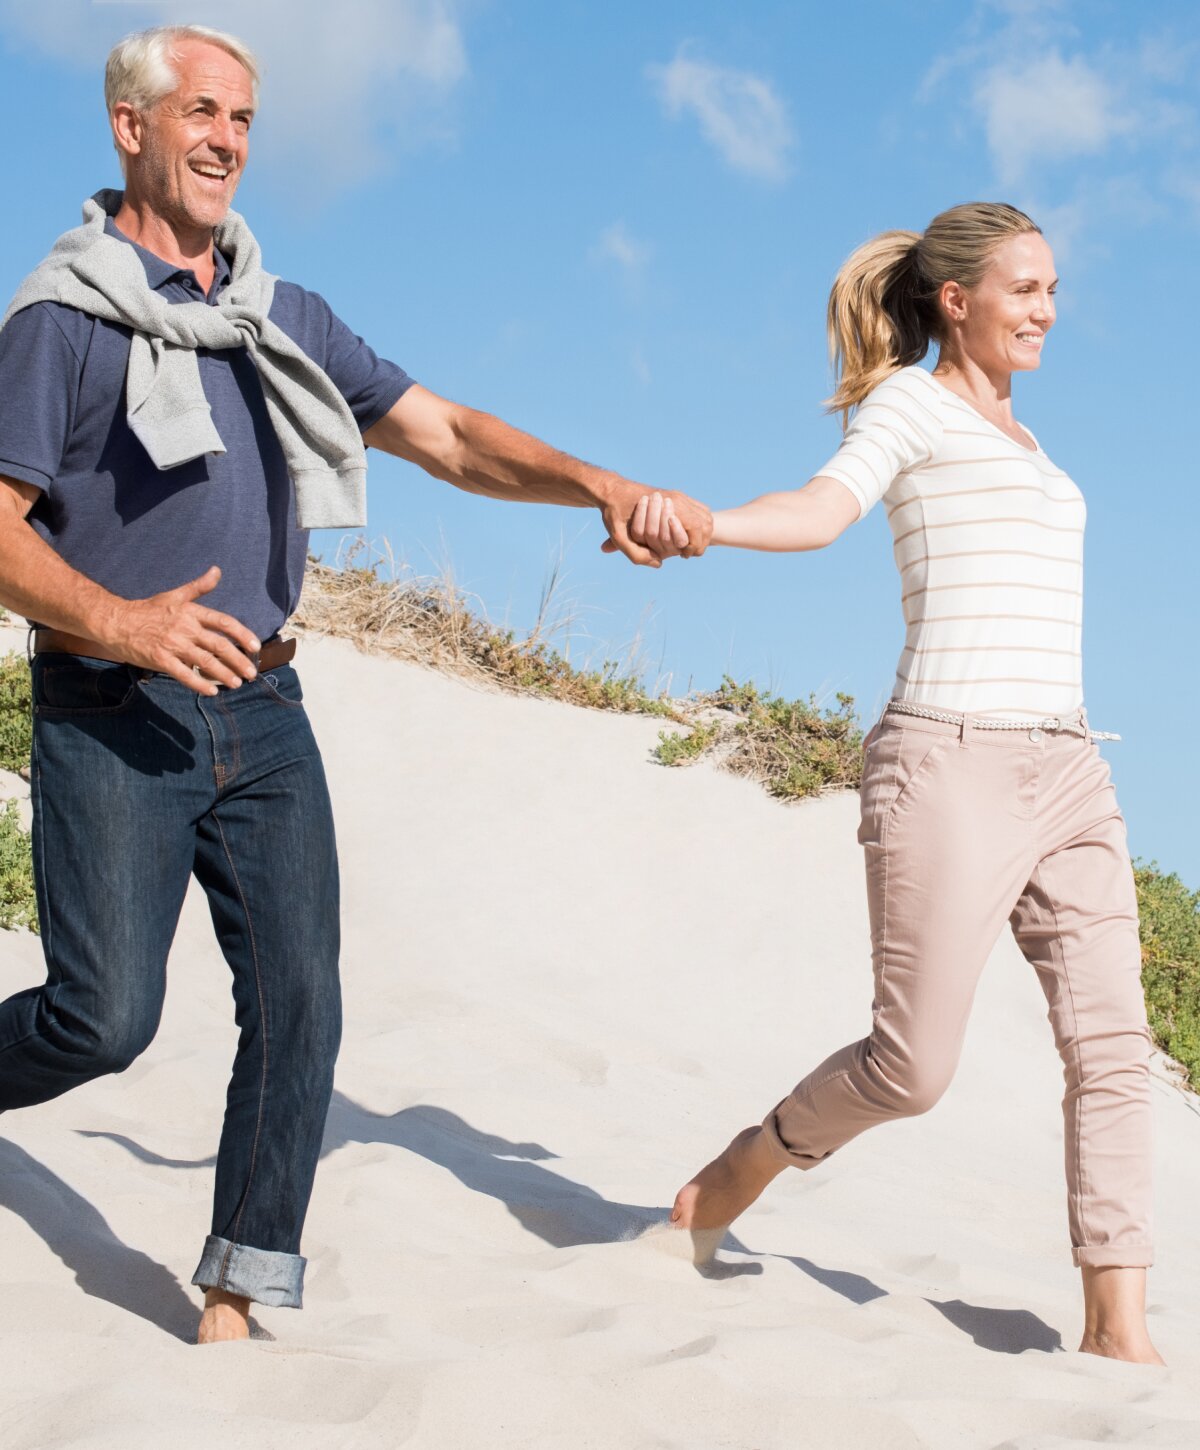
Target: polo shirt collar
x=158, y=272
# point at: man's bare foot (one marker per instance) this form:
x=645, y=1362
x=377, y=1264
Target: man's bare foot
x=226, y=1316
x=728, y=1185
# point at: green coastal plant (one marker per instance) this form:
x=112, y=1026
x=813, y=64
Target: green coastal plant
x=16, y=725
x=793, y=747
x=1170, y=930
x=18, y=901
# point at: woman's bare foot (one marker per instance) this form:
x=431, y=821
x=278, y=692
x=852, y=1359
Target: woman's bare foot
x=727, y=1186
x=1114, y=1312
x=1136, y=1349
x=226, y=1316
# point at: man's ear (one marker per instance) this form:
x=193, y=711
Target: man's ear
x=127, y=128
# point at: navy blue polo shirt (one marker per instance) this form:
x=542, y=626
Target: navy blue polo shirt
x=135, y=529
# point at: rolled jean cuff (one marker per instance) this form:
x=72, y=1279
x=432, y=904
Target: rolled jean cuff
x=258, y=1274
x=1113, y=1256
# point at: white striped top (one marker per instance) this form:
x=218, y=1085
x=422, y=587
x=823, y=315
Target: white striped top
x=988, y=539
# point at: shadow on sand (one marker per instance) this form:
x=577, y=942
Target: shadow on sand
x=559, y=1211
x=566, y=1214
x=850, y=1286
x=1004, y=1331
x=104, y=1267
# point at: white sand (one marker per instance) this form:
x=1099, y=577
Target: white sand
x=570, y=976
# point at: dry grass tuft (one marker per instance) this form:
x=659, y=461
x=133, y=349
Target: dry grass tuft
x=431, y=622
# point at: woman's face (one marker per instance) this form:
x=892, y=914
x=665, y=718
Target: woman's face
x=1001, y=323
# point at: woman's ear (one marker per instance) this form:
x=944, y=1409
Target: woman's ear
x=953, y=301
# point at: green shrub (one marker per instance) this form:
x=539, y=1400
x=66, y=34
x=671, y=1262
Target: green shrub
x=18, y=903
x=793, y=747
x=16, y=703
x=1170, y=929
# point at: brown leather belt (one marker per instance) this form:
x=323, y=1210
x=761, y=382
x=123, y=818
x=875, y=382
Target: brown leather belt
x=275, y=652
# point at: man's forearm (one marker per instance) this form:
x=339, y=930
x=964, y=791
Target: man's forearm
x=492, y=458
x=477, y=452
x=36, y=583
x=170, y=633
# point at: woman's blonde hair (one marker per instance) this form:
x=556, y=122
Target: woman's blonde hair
x=883, y=310
x=140, y=70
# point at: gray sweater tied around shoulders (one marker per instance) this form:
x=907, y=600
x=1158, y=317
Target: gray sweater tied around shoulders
x=167, y=410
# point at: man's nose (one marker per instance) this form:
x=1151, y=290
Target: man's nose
x=222, y=136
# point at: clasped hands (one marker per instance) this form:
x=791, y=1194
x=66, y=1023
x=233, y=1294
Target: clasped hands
x=660, y=525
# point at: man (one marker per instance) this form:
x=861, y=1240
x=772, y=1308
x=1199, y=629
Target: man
x=157, y=549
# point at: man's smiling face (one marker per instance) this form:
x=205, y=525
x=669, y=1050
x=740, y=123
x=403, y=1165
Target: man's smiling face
x=194, y=142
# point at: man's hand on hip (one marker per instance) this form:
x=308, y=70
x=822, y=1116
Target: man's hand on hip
x=178, y=636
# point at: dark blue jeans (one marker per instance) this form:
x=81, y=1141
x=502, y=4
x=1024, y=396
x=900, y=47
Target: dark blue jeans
x=139, y=783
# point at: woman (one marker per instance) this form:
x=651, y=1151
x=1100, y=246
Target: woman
x=984, y=796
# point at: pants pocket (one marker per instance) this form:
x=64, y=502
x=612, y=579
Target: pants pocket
x=73, y=685
x=897, y=760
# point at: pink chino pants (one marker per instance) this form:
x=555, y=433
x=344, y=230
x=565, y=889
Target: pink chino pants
x=965, y=829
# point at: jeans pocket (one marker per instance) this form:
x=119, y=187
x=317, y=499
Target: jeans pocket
x=74, y=685
x=283, y=685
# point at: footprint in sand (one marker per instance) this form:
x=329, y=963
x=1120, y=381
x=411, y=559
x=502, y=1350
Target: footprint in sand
x=695, y=1246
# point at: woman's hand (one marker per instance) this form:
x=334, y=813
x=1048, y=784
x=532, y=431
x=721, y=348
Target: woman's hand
x=656, y=526
x=662, y=525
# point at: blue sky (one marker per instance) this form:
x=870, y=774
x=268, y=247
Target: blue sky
x=615, y=225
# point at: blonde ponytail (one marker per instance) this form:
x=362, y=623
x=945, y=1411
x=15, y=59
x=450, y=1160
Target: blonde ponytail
x=883, y=311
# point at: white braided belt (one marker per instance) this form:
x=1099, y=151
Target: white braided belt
x=1070, y=724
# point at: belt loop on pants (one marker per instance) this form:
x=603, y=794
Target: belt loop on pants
x=963, y=726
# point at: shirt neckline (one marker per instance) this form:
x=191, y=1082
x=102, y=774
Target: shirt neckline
x=159, y=272
x=941, y=387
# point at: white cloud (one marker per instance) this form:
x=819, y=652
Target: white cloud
x=1049, y=110
x=617, y=245
x=738, y=112
x=346, y=85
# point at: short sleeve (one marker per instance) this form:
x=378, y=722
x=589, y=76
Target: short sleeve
x=370, y=384
x=40, y=367
x=897, y=427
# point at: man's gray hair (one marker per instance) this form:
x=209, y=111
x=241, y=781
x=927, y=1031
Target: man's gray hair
x=140, y=70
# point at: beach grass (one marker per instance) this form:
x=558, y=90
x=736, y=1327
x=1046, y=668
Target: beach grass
x=385, y=608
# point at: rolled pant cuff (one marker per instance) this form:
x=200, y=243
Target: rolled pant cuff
x=1113, y=1256
x=258, y=1274
x=779, y=1149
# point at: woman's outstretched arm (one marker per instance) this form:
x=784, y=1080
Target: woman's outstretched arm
x=803, y=518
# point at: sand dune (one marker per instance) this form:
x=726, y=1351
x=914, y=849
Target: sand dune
x=569, y=976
